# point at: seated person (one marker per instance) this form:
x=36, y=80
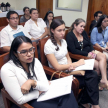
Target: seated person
x=11, y=31
x=56, y=52
x=48, y=19
x=35, y=26
x=79, y=43
x=96, y=18
x=99, y=34
x=26, y=15
x=24, y=79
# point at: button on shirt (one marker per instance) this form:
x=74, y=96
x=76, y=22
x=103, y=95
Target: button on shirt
x=35, y=30
x=100, y=38
x=8, y=34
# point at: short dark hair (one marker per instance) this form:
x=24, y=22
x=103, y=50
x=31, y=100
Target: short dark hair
x=99, y=22
x=13, y=50
x=32, y=9
x=25, y=8
x=10, y=13
x=96, y=13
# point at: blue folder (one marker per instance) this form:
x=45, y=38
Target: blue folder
x=18, y=34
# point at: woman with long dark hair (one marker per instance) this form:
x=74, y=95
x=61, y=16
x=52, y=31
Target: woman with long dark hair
x=48, y=19
x=24, y=78
x=99, y=34
x=56, y=52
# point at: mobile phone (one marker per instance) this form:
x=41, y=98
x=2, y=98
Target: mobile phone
x=107, y=49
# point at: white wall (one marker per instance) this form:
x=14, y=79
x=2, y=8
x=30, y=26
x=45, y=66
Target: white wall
x=12, y=3
x=70, y=16
x=22, y=3
x=19, y=4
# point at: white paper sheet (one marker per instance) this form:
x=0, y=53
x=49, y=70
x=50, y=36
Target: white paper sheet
x=58, y=87
x=89, y=65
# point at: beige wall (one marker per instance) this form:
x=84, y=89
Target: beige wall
x=23, y=3
x=19, y=4
x=70, y=16
x=12, y=2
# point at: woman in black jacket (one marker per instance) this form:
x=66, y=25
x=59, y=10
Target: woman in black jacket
x=79, y=43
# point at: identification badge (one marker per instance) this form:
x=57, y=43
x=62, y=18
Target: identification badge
x=103, y=43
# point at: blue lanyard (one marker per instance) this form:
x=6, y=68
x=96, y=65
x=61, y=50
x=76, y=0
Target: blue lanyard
x=103, y=34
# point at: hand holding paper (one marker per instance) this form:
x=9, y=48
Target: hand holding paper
x=58, y=87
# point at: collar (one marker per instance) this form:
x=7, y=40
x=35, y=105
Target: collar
x=34, y=21
x=10, y=29
x=106, y=28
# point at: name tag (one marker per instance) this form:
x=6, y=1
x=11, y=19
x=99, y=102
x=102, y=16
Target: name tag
x=18, y=34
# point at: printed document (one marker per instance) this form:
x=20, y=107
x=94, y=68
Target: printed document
x=89, y=65
x=58, y=87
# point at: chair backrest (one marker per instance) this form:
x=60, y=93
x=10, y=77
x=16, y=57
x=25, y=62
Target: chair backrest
x=66, y=32
x=58, y=17
x=23, y=23
x=2, y=27
x=41, y=46
x=35, y=45
x=3, y=59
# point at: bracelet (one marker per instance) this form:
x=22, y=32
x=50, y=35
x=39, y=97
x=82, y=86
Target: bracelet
x=35, y=84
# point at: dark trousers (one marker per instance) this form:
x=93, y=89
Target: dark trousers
x=66, y=101
x=90, y=84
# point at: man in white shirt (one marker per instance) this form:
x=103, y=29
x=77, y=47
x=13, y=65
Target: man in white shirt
x=11, y=31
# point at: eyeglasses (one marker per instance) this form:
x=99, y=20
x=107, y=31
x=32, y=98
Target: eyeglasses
x=105, y=21
x=14, y=18
x=25, y=52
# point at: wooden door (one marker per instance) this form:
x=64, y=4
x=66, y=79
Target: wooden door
x=93, y=6
x=44, y=6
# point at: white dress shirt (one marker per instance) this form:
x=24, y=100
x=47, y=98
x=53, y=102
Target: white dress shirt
x=13, y=77
x=8, y=34
x=35, y=30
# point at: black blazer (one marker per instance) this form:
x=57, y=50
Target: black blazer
x=75, y=48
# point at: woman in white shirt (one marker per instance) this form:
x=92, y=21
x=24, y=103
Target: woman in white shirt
x=56, y=52
x=35, y=26
x=24, y=78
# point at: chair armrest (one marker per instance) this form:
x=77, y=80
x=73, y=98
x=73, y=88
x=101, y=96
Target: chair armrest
x=75, y=82
x=7, y=98
x=97, y=48
x=67, y=27
x=77, y=56
x=26, y=105
x=1, y=51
